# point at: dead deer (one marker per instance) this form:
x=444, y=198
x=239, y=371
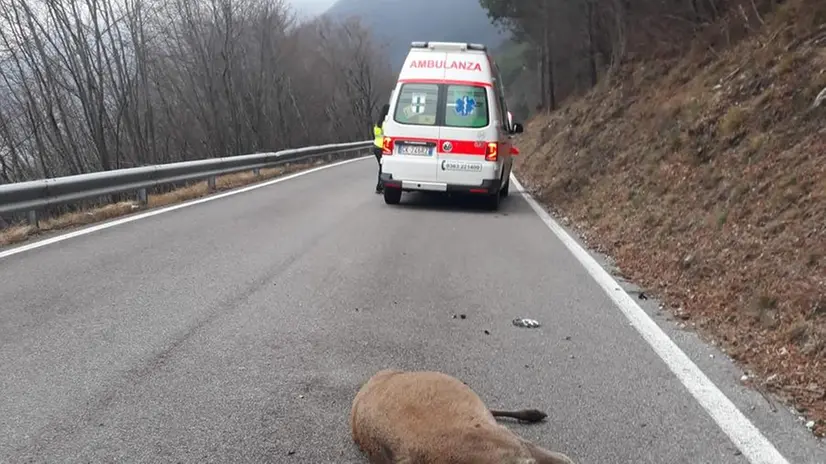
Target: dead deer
x=401, y=417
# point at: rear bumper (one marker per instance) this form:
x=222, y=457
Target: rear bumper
x=487, y=186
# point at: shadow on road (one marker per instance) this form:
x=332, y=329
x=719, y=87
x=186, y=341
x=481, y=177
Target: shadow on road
x=461, y=203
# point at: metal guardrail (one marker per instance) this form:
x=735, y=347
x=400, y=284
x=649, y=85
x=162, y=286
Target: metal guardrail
x=39, y=194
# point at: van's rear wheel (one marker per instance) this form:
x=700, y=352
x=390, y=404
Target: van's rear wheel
x=392, y=196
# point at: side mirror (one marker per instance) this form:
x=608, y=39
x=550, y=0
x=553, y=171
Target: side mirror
x=517, y=128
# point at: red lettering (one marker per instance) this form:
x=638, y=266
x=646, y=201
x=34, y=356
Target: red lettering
x=442, y=64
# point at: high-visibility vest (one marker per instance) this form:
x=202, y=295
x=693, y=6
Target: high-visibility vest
x=378, y=136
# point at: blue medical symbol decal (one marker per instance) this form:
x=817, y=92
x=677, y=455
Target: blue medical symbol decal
x=465, y=106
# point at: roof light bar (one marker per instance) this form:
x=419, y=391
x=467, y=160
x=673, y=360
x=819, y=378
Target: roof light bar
x=462, y=46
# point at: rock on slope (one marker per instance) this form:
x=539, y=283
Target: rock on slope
x=400, y=22
x=705, y=178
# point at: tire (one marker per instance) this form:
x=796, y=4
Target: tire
x=392, y=196
x=504, y=191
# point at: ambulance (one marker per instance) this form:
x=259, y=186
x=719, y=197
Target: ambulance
x=448, y=128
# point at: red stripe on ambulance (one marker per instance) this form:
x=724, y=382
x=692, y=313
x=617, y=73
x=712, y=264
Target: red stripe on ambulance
x=464, y=147
x=445, y=81
x=459, y=147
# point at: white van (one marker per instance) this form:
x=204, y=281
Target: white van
x=448, y=128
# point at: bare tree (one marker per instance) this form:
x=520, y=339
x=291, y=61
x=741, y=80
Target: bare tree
x=92, y=85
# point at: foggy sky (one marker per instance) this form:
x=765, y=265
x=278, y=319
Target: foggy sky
x=311, y=6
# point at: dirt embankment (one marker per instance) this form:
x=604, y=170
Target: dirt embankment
x=705, y=178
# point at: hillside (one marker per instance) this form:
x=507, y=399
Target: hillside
x=399, y=22
x=704, y=177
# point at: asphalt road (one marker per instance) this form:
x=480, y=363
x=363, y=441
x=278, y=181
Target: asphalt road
x=238, y=330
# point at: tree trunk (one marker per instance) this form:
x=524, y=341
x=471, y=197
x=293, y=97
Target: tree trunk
x=592, y=49
x=549, y=55
x=543, y=82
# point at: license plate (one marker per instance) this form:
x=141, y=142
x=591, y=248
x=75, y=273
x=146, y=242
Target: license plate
x=415, y=150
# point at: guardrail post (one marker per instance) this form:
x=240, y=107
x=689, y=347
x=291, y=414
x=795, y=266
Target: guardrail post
x=143, y=197
x=33, y=219
x=211, y=183
x=256, y=172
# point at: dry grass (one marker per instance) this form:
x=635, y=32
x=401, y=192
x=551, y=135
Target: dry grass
x=180, y=195
x=19, y=233
x=15, y=234
x=733, y=120
x=711, y=191
x=88, y=217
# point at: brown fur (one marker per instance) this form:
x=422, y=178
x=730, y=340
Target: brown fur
x=403, y=417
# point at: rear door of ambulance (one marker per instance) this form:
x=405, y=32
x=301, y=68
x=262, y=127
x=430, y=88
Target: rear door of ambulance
x=467, y=123
x=416, y=116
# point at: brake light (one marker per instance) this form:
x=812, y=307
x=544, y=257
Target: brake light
x=492, y=151
x=387, y=146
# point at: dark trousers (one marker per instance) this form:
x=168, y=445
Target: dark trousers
x=377, y=154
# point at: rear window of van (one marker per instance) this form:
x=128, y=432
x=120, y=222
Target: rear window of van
x=450, y=105
x=466, y=106
x=417, y=104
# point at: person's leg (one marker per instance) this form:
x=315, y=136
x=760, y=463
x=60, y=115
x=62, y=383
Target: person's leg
x=377, y=154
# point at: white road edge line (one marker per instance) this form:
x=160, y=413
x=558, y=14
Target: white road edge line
x=167, y=209
x=748, y=439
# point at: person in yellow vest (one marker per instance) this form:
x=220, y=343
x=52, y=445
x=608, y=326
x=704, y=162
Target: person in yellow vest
x=378, y=137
